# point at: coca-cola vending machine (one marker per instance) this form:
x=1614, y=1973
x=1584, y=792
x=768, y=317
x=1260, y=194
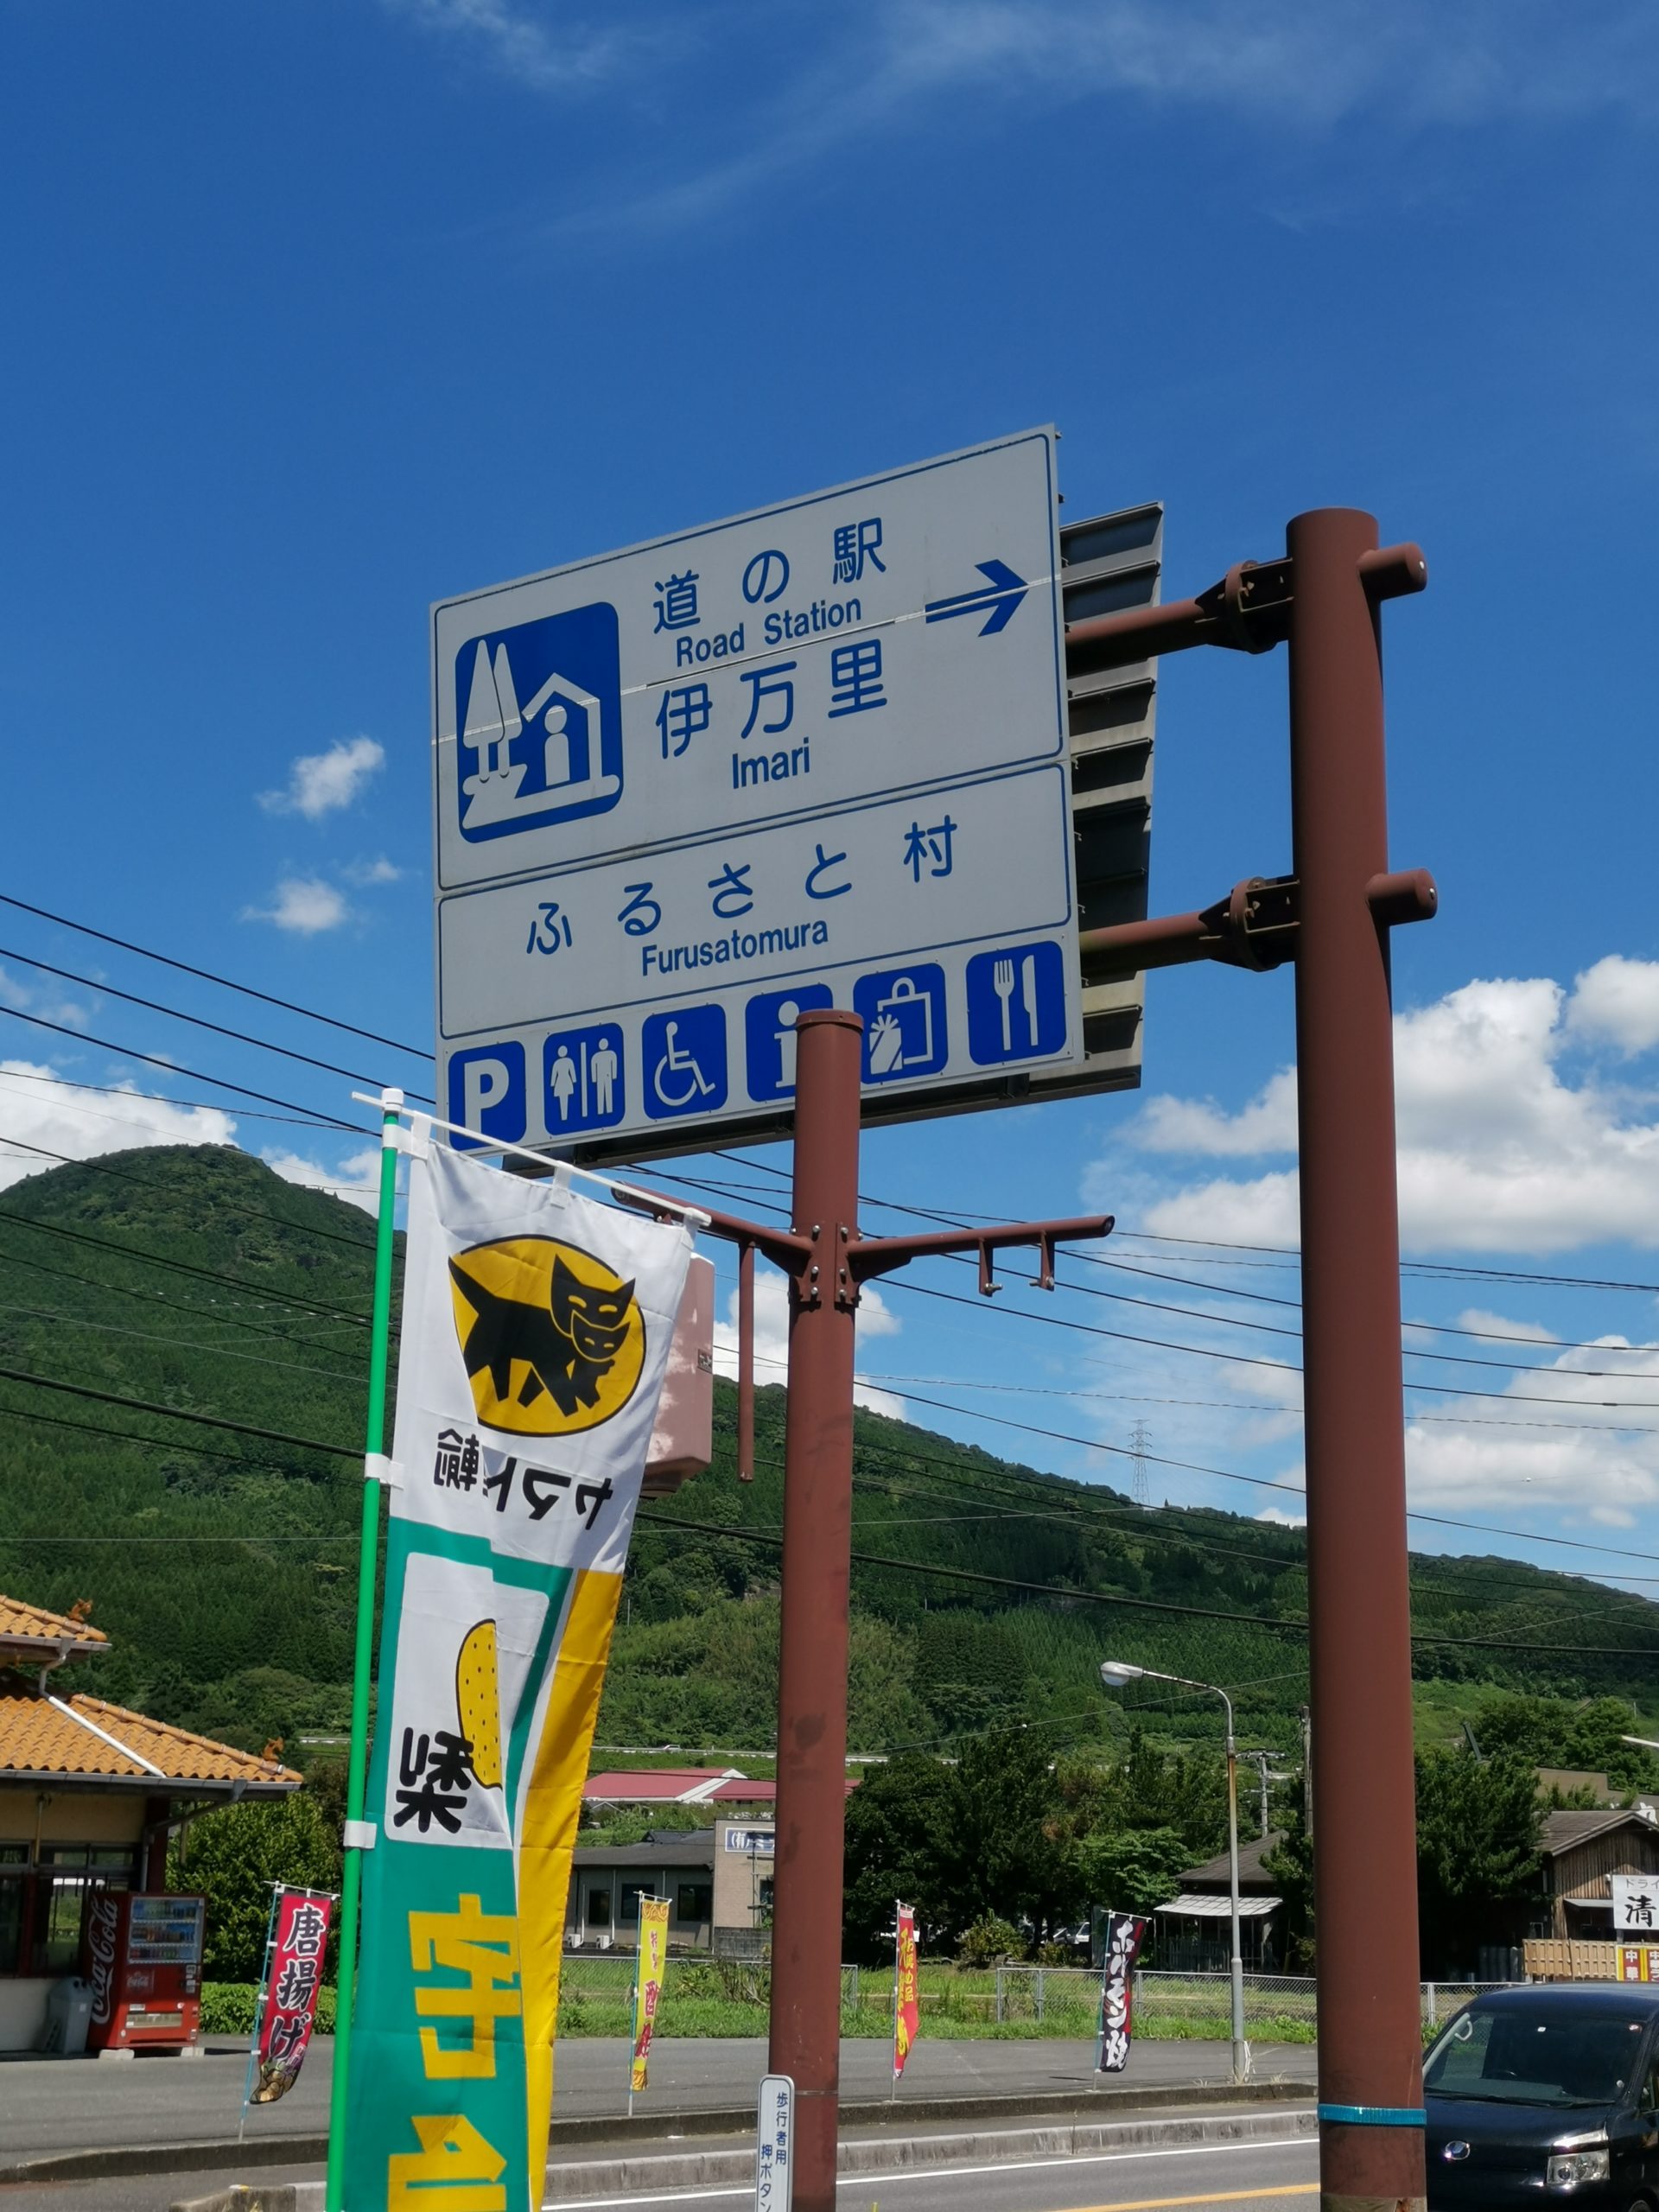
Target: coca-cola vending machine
x=143, y=1959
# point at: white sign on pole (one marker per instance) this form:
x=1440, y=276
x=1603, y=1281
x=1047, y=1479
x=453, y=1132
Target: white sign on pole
x=811, y=756
x=1636, y=1905
x=774, y=2154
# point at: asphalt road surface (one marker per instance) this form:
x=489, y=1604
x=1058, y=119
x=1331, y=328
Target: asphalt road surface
x=54, y=2105
x=1271, y=2176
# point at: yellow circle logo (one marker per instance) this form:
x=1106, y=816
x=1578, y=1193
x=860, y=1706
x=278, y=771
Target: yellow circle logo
x=553, y=1338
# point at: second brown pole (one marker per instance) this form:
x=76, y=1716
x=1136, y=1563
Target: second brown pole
x=816, y=1571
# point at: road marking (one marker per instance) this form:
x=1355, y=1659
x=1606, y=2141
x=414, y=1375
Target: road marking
x=1226, y=2196
x=884, y=2181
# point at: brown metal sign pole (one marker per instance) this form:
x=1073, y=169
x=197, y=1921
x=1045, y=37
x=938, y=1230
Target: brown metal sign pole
x=827, y=1260
x=1365, y=1870
x=817, y=1570
x=1332, y=916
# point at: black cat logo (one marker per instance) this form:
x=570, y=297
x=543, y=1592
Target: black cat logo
x=552, y=1338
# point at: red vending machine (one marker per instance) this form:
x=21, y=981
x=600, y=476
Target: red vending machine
x=143, y=1959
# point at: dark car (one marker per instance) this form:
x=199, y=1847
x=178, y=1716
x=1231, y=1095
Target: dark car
x=1545, y=2095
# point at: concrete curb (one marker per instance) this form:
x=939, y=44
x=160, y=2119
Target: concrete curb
x=573, y=2184
x=124, y=2161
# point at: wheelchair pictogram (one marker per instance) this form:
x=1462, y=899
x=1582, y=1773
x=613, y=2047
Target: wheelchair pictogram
x=685, y=1057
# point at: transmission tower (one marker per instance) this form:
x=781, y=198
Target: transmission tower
x=1139, y=1443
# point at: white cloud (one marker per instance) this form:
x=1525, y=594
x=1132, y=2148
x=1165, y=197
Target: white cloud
x=49, y=1002
x=305, y=904
x=369, y=872
x=1617, y=1002
x=1501, y=1148
x=875, y=1319
x=1280, y=1519
x=38, y=1106
x=867, y=67
x=356, y=1177
x=519, y=44
x=322, y=783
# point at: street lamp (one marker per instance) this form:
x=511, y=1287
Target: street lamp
x=1115, y=1674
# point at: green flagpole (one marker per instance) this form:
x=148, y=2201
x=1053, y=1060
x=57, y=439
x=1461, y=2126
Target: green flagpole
x=362, y=1670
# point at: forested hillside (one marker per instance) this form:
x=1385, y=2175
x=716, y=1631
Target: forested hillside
x=193, y=1281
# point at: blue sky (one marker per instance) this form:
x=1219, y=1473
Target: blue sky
x=322, y=312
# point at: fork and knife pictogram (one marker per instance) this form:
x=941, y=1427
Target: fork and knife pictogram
x=1002, y=984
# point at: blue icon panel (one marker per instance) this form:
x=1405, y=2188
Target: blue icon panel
x=487, y=1092
x=1016, y=1003
x=583, y=1079
x=769, y=1037
x=682, y=1062
x=905, y=1033
x=538, y=716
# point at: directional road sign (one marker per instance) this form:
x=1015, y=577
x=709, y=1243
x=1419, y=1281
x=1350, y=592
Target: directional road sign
x=813, y=755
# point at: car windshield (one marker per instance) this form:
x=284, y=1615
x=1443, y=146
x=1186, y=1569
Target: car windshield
x=1535, y=2057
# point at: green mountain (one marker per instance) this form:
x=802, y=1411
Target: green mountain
x=168, y=1282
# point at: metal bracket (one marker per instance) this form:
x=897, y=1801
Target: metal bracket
x=1256, y=926
x=377, y=1468
x=359, y=1835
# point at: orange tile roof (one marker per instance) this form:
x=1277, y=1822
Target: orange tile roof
x=21, y=1624
x=37, y=1736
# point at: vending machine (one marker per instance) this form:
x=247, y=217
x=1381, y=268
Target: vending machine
x=142, y=1956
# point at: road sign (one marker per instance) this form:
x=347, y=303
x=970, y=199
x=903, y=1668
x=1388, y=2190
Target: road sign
x=814, y=755
x=774, y=2161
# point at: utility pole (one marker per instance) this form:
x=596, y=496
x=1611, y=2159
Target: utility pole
x=1332, y=916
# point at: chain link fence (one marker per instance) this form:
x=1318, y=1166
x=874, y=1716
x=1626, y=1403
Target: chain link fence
x=729, y=1997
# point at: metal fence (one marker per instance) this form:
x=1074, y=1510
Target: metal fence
x=730, y=1996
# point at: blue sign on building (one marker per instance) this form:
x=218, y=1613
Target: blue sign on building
x=769, y=1037
x=539, y=738
x=905, y=1033
x=487, y=1091
x=583, y=1079
x=1016, y=1003
x=682, y=1062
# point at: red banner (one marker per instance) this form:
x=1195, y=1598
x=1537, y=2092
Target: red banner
x=283, y=2032
x=907, y=1992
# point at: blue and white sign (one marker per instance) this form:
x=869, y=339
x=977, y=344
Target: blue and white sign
x=814, y=755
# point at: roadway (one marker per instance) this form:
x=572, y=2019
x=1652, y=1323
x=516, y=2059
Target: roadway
x=48, y=2106
x=1267, y=2177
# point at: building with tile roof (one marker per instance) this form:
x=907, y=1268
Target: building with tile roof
x=89, y=1793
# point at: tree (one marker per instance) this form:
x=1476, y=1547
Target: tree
x=903, y=1841
x=1135, y=1870
x=233, y=1857
x=1019, y=1864
x=1478, y=1823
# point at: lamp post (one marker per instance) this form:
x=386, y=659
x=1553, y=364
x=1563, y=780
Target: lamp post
x=1115, y=1674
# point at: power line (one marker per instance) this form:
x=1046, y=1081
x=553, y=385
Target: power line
x=142, y=1258
x=197, y=1021
x=180, y=1344
x=208, y=976
x=302, y=1120
x=178, y=1413
x=172, y=1067
x=98, y=1165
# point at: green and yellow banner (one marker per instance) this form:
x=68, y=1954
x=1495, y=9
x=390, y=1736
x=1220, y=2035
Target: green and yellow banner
x=650, y=1967
x=535, y=1333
